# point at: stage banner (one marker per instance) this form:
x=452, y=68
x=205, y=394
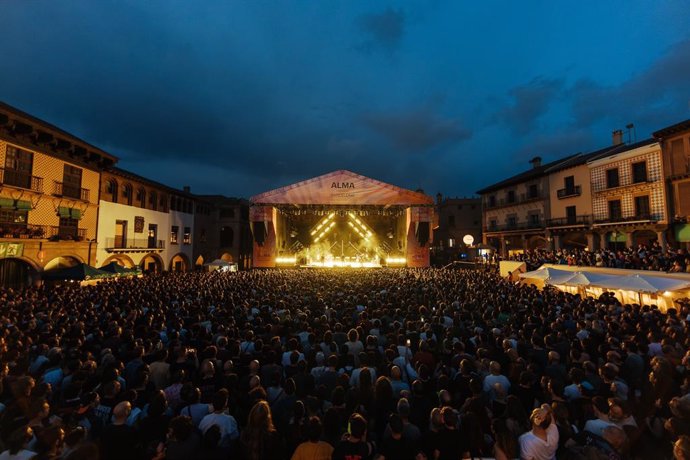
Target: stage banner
x=418, y=236
x=262, y=221
x=343, y=188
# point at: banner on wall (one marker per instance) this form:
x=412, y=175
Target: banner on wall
x=11, y=250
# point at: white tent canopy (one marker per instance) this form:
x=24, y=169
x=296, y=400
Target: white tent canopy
x=583, y=279
x=643, y=283
x=219, y=263
x=548, y=274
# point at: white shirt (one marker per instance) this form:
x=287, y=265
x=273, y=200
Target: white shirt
x=597, y=426
x=21, y=455
x=533, y=447
x=226, y=423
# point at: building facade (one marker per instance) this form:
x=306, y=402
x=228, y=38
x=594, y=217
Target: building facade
x=514, y=211
x=222, y=231
x=49, y=193
x=456, y=218
x=629, y=196
x=675, y=143
x=143, y=223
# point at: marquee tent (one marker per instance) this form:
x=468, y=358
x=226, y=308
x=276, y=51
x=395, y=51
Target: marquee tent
x=643, y=283
x=548, y=275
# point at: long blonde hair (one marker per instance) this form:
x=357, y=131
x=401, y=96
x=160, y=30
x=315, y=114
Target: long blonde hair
x=259, y=428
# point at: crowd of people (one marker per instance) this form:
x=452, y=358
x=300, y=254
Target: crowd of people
x=390, y=364
x=641, y=257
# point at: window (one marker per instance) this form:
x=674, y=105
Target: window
x=473, y=207
x=571, y=214
x=71, y=182
x=187, y=238
x=533, y=191
x=534, y=219
x=174, y=232
x=202, y=235
x=111, y=189
x=451, y=221
x=512, y=221
x=511, y=196
x=451, y=242
x=226, y=237
x=162, y=202
x=68, y=227
x=639, y=172
x=492, y=223
x=679, y=162
x=153, y=201
x=642, y=206
x=612, y=178
x=141, y=197
x=492, y=201
x=127, y=193
x=459, y=207
x=10, y=216
x=18, y=167
x=615, y=210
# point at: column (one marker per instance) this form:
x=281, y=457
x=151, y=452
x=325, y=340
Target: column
x=661, y=236
x=523, y=238
x=602, y=240
x=591, y=241
x=504, y=252
x=629, y=242
x=556, y=242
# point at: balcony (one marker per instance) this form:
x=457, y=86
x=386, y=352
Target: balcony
x=569, y=192
x=71, y=191
x=21, y=179
x=66, y=233
x=514, y=227
x=118, y=244
x=23, y=231
x=626, y=219
x=570, y=221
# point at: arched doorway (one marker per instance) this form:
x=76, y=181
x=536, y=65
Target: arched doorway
x=199, y=261
x=616, y=240
x=62, y=262
x=227, y=257
x=151, y=263
x=538, y=242
x=120, y=259
x=646, y=237
x=576, y=240
x=179, y=263
x=16, y=273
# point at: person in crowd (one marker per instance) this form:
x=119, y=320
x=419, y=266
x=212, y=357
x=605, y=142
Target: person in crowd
x=313, y=448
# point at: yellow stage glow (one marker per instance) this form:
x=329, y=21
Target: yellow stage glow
x=286, y=260
x=396, y=261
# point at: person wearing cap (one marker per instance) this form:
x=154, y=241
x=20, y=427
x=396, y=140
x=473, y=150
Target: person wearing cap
x=541, y=442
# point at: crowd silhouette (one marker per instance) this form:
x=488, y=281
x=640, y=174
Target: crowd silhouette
x=342, y=364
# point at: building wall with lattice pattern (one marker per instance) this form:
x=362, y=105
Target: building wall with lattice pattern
x=46, y=204
x=627, y=191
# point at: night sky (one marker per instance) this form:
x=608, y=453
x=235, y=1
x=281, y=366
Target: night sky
x=239, y=97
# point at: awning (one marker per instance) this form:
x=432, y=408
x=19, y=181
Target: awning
x=643, y=283
x=551, y=275
x=69, y=213
x=9, y=203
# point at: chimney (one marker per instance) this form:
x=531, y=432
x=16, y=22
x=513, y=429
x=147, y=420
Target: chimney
x=186, y=189
x=439, y=198
x=535, y=162
x=617, y=136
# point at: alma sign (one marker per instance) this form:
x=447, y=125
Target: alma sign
x=343, y=185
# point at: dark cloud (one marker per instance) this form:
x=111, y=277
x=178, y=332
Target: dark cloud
x=531, y=101
x=658, y=94
x=551, y=145
x=383, y=30
x=419, y=130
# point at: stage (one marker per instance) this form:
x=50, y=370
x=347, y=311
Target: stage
x=341, y=220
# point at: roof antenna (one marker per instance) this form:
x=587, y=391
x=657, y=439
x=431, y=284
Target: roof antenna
x=631, y=129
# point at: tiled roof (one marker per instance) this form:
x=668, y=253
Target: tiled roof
x=524, y=176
